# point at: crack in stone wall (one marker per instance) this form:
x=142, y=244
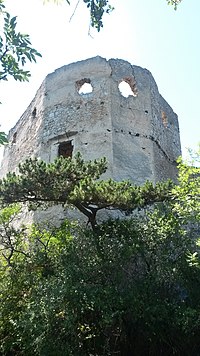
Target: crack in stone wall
x=149, y=137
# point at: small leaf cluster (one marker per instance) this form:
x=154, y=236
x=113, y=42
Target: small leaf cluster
x=3, y=138
x=174, y=3
x=97, y=9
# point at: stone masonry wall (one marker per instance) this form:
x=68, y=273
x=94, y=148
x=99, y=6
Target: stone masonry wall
x=138, y=134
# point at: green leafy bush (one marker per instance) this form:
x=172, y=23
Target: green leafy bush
x=125, y=289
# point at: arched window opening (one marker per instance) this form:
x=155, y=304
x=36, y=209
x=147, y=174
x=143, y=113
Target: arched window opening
x=164, y=119
x=34, y=112
x=127, y=87
x=14, y=139
x=65, y=149
x=84, y=86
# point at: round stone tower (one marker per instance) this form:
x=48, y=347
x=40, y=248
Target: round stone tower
x=137, y=133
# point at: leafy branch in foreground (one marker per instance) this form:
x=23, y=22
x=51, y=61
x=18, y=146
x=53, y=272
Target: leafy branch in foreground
x=3, y=138
x=98, y=8
x=74, y=182
x=174, y=3
x=15, y=49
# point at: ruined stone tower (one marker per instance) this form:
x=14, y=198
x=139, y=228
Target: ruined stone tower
x=138, y=134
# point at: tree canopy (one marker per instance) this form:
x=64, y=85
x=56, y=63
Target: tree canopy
x=131, y=286
x=75, y=182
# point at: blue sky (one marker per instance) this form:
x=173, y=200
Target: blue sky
x=148, y=33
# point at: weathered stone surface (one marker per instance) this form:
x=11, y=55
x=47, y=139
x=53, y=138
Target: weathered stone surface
x=139, y=134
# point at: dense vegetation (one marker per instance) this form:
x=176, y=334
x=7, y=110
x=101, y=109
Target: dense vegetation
x=128, y=286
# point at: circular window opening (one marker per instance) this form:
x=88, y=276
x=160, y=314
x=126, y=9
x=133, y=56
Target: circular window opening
x=84, y=86
x=127, y=87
